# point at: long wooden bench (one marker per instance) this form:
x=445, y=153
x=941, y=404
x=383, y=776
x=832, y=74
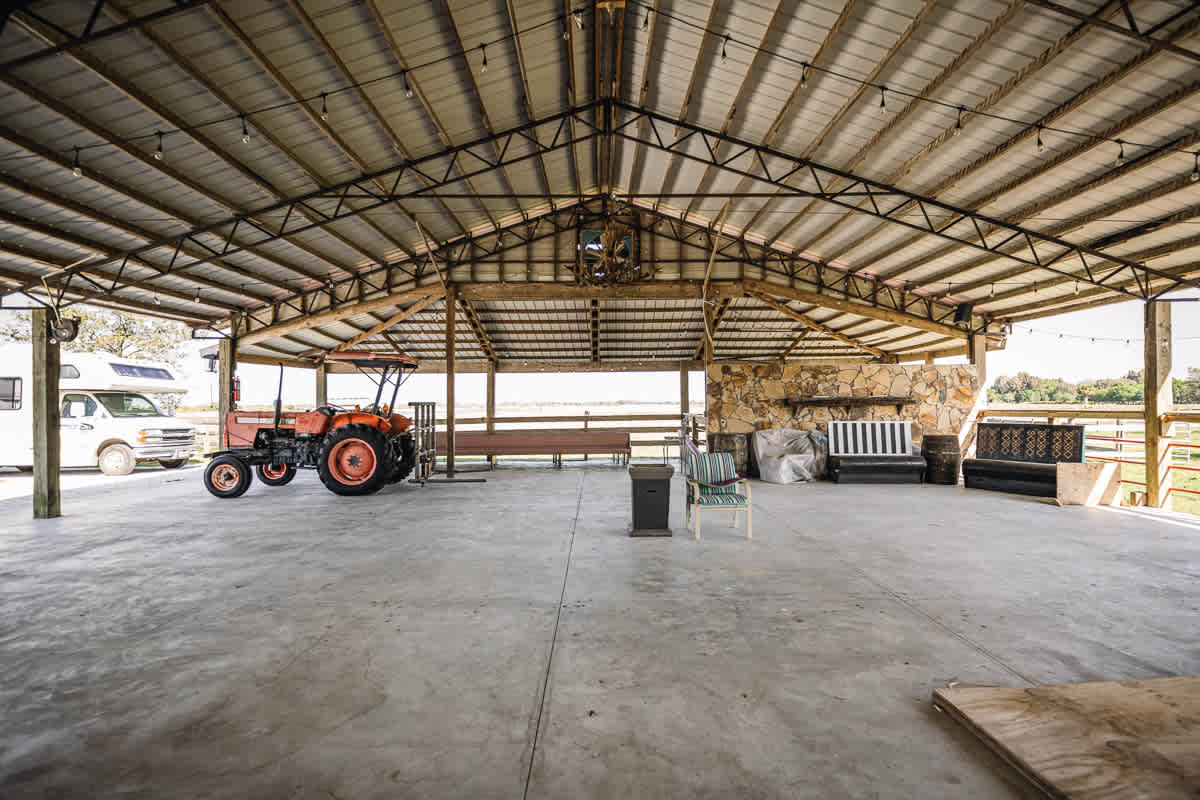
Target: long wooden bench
x=554, y=443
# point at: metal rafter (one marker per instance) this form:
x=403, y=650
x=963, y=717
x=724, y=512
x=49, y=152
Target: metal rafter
x=89, y=34
x=36, y=30
x=644, y=92
x=329, y=203
x=1001, y=92
x=365, y=99
x=1024, y=137
x=1130, y=32
x=866, y=86
x=179, y=60
x=672, y=168
x=816, y=326
x=570, y=89
x=806, y=178
x=527, y=101
x=477, y=328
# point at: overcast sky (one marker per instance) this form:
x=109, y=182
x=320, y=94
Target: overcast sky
x=1054, y=347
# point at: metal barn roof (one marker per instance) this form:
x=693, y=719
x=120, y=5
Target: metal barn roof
x=771, y=179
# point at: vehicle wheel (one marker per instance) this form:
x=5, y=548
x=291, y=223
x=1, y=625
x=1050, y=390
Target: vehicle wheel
x=275, y=474
x=117, y=459
x=355, y=460
x=227, y=476
x=172, y=463
x=406, y=458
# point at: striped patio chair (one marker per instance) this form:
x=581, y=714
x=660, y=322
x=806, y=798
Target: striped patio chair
x=713, y=485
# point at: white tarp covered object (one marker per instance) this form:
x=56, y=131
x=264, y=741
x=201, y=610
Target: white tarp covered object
x=788, y=456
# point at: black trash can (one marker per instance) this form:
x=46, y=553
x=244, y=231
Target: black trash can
x=651, y=499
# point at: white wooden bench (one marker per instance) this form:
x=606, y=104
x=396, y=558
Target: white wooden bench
x=874, y=452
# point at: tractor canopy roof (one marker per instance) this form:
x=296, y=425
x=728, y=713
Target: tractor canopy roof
x=367, y=360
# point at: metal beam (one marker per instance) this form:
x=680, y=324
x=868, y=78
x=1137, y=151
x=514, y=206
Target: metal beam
x=816, y=326
x=476, y=325
x=1129, y=30
x=391, y=321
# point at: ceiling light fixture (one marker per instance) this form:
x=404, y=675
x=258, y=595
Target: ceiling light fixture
x=804, y=75
x=1195, y=166
x=158, y=153
x=578, y=15
x=958, y=122
x=324, y=108
x=408, y=90
x=1120, y=153
x=245, y=131
x=1041, y=146
x=483, y=49
x=882, y=99
x=78, y=170
x=725, y=49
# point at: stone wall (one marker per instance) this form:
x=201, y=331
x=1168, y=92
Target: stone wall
x=741, y=395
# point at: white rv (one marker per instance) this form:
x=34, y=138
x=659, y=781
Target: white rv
x=106, y=419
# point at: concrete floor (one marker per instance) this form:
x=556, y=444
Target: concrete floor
x=424, y=642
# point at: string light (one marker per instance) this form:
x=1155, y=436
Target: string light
x=157, y=302
x=566, y=34
x=1120, y=153
x=578, y=15
x=725, y=49
x=75, y=168
x=1196, y=167
x=158, y=153
x=245, y=131
x=1041, y=146
x=483, y=49
x=992, y=291
x=1076, y=287
x=882, y=99
x=196, y=299
x=408, y=90
x=646, y=20
x=958, y=122
x=324, y=108
x=804, y=75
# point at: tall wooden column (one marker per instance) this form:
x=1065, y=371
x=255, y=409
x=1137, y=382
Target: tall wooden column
x=1158, y=401
x=977, y=345
x=322, y=385
x=451, y=330
x=684, y=404
x=226, y=367
x=491, y=405
x=46, y=441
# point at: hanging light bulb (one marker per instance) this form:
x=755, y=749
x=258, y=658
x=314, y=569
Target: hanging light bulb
x=725, y=49
x=75, y=168
x=1035, y=287
x=1120, y=153
x=324, y=108
x=804, y=75
x=245, y=131
x=157, y=302
x=566, y=30
x=408, y=90
x=882, y=99
x=483, y=49
x=158, y=153
x=1041, y=146
x=1196, y=167
x=1076, y=287
x=197, y=297
x=992, y=291
x=578, y=15
x=646, y=20
x=958, y=122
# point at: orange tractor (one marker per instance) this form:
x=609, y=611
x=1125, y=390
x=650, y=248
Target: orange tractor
x=355, y=451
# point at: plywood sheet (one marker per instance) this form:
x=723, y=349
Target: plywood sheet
x=1116, y=740
x=1089, y=484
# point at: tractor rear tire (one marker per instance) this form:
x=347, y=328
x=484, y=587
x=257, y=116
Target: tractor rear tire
x=275, y=474
x=227, y=476
x=355, y=460
x=406, y=458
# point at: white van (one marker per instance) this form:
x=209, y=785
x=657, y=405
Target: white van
x=106, y=420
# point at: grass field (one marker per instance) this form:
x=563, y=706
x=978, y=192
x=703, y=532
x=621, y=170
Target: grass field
x=1137, y=472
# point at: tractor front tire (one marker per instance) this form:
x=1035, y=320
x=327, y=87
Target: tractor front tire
x=227, y=476
x=275, y=474
x=355, y=460
x=406, y=458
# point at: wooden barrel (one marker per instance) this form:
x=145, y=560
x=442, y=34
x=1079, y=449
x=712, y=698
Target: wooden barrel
x=737, y=445
x=942, y=458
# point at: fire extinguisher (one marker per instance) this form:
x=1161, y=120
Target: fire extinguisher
x=237, y=389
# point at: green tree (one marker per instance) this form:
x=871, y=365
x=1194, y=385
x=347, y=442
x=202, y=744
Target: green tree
x=104, y=331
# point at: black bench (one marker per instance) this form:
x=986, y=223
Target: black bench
x=874, y=452
x=1021, y=457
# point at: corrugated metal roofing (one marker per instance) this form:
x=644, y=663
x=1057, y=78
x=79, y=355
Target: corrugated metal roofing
x=330, y=91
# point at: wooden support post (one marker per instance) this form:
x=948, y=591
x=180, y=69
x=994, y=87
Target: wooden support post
x=977, y=350
x=1158, y=401
x=226, y=367
x=451, y=330
x=46, y=441
x=322, y=385
x=684, y=403
x=491, y=405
